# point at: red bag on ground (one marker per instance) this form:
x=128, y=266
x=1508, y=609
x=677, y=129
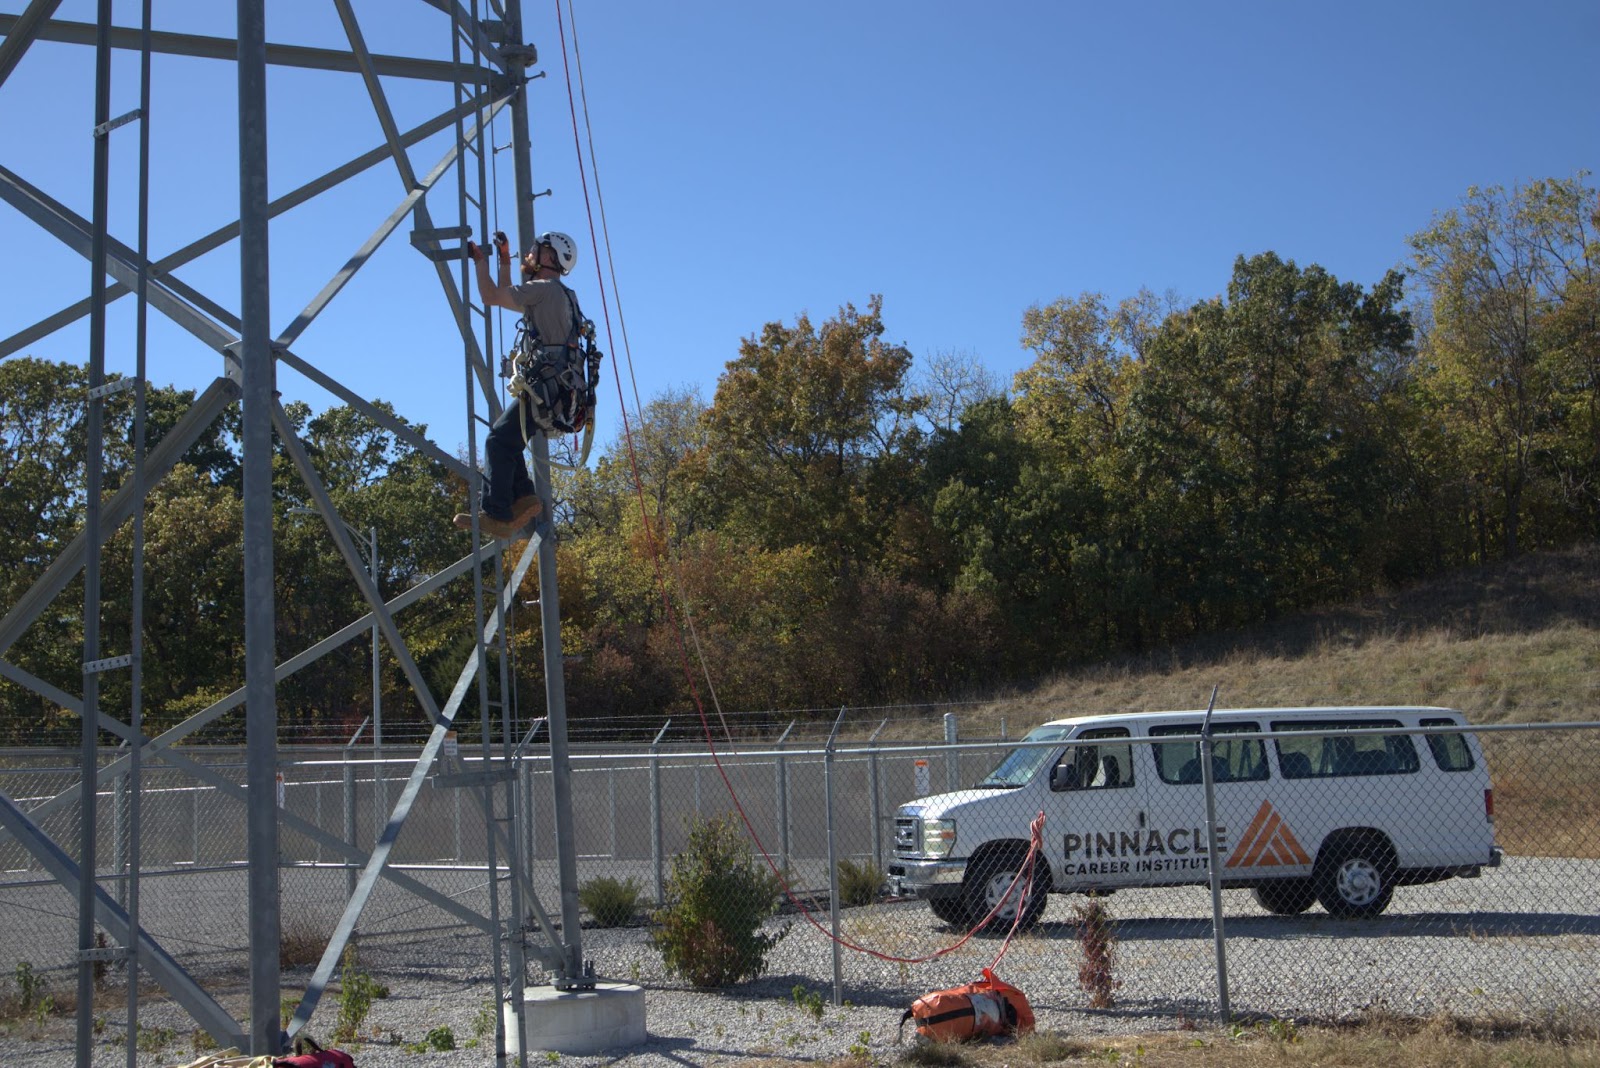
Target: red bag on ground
x=317, y=1057
x=977, y=1010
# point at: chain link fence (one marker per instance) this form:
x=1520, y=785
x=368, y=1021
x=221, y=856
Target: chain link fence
x=1344, y=883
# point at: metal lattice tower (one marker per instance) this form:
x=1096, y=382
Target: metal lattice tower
x=487, y=70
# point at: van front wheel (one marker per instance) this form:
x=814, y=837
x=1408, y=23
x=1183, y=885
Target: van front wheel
x=990, y=875
x=1355, y=877
x=1286, y=897
x=951, y=908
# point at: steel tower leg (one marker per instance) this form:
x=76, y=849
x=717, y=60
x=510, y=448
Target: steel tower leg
x=555, y=681
x=89, y=754
x=255, y=355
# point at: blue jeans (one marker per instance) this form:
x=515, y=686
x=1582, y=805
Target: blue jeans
x=505, y=471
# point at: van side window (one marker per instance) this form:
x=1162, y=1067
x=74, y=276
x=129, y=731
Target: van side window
x=1094, y=763
x=1242, y=760
x=1450, y=751
x=1323, y=755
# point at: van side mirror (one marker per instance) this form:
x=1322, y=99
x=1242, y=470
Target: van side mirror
x=1064, y=777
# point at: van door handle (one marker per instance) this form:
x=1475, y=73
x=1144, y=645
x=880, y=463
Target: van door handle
x=1141, y=817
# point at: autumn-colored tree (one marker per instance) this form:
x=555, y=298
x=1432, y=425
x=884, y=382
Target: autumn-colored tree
x=804, y=429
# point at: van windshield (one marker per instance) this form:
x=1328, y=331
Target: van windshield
x=1020, y=765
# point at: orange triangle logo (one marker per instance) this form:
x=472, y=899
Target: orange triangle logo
x=1267, y=841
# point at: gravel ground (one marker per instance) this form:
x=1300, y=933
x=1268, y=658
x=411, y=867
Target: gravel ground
x=1457, y=947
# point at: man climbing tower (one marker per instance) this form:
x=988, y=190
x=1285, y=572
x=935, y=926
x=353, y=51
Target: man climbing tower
x=552, y=328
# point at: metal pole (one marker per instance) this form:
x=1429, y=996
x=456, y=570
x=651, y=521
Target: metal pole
x=876, y=801
x=350, y=870
x=259, y=374
x=88, y=753
x=781, y=776
x=136, y=636
x=952, y=759
x=657, y=848
x=1209, y=779
x=380, y=806
x=119, y=838
x=833, y=860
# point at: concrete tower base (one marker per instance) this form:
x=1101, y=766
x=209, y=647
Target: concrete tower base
x=578, y=1021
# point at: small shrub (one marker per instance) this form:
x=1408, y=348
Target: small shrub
x=808, y=1001
x=357, y=991
x=438, y=1040
x=30, y=985
x=718, y=896
x=100, y=968
x=610, y=902
x=859, y=883
x=153, y=1039
x=1098, y=936
x=487, y=1020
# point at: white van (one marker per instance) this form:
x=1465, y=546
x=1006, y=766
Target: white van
x=1317, y=813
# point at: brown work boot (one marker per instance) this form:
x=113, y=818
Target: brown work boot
x=525, y=510
x=495, y=528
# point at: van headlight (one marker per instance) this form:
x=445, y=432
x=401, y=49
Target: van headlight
x=938, y=837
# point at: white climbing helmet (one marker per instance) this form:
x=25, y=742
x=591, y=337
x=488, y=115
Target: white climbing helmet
x=566, y=249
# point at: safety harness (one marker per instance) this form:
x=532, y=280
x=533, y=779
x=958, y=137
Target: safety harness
x=561, y=380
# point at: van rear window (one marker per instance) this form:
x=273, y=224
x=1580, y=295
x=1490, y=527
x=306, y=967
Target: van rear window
x=1450, y=751
x=1232, y=760
x=1326, y=752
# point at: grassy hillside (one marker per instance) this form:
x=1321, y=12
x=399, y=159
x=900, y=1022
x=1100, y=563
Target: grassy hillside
x=1514, y=643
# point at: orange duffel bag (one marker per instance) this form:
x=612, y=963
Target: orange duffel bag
x=977, y=1010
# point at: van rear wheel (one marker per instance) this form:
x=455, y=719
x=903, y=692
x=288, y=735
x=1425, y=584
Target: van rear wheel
x=1286, y=897
x=1354, y=877
x=988, y=878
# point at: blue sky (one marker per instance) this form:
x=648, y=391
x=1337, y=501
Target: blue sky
x=758, y=160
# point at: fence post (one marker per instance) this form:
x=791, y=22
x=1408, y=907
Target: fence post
x=952, y=759
x=611, y=789
x=833, y=859
x=119, y=841
x=349, y=825
x=781, y=779
x=1208, y=777
x=877, y=803
x=350, y=867
x=525, y=778
x=657, y=853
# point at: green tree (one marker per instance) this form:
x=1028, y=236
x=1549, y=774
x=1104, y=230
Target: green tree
x=1259, y=444
x=1512, y=359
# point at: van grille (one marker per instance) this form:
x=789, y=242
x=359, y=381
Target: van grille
x=906, y=836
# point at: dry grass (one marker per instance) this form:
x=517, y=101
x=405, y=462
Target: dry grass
x=300, y=945
x=1518, y=643
x=1438, y=1043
